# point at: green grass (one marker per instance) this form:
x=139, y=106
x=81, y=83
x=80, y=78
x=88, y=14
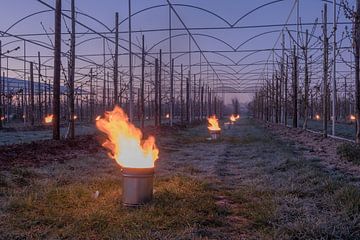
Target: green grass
x=181, y=206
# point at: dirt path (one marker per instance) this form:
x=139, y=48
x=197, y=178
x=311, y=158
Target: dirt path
x=251, y=184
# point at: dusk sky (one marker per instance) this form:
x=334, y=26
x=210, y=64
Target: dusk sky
x=238, y=75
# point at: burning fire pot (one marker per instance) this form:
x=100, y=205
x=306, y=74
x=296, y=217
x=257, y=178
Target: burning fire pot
x=214, y=127
x=137, y=186
x=133, y=153
x=215, y=134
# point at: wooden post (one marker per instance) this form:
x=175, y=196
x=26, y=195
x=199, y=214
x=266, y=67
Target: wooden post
x=72, y=73
x=188, y=100
x=39, y=88
x=1, y=87
x=295, y=90
x=57, y=69
x=156, y=100
x=306, y=90
x=159, y=85
x=357, y=71
x=172, y=102
x=181, y=96
x=32, y=104
x=325, y=69
x=142, y=86
x=116, y=59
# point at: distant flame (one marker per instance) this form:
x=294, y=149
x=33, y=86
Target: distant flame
x=167, y=115
x=49, y=118
x=352, y=117
x=75, y=117
x=125, y=141
x=213, y=123
x=97, y=118
x=233, y=117
x=2, y=118
x=317, y=117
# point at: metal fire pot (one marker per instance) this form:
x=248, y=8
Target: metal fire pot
x=215, y=134
x=137, y=186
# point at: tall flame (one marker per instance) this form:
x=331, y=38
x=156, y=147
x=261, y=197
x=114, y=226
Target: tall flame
x=125, y=141
x=213, y=123
x=49, y=118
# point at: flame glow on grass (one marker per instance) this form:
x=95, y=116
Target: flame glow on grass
x=213, y=123
x=125, y=141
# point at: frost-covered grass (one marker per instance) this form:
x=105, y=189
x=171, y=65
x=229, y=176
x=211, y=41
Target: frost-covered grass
x=249, y=184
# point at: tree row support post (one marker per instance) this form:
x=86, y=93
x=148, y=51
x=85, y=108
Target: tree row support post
x=131, y=104
x=32, y=118
x=1, y=106
x=172, y=104
x=357, y=70
x=57, y=62
x=72, y=72
x=156, y=100
x=334, y=73
x=159, y=85
x=142, y=87
x=325, y=66
x=295, y=89
x=116, y=59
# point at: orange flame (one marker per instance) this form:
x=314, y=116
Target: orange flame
x=125, y=141
x=317, y=117
x=233, y=117
x=97, y=118
x=49, y=118
x=75, y=117
x=352, y=117
x=213, y=123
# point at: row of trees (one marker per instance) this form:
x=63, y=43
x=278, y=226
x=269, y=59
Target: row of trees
x=290, y=95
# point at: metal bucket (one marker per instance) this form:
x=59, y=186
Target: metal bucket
x=215, y=134
x=137, y=186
